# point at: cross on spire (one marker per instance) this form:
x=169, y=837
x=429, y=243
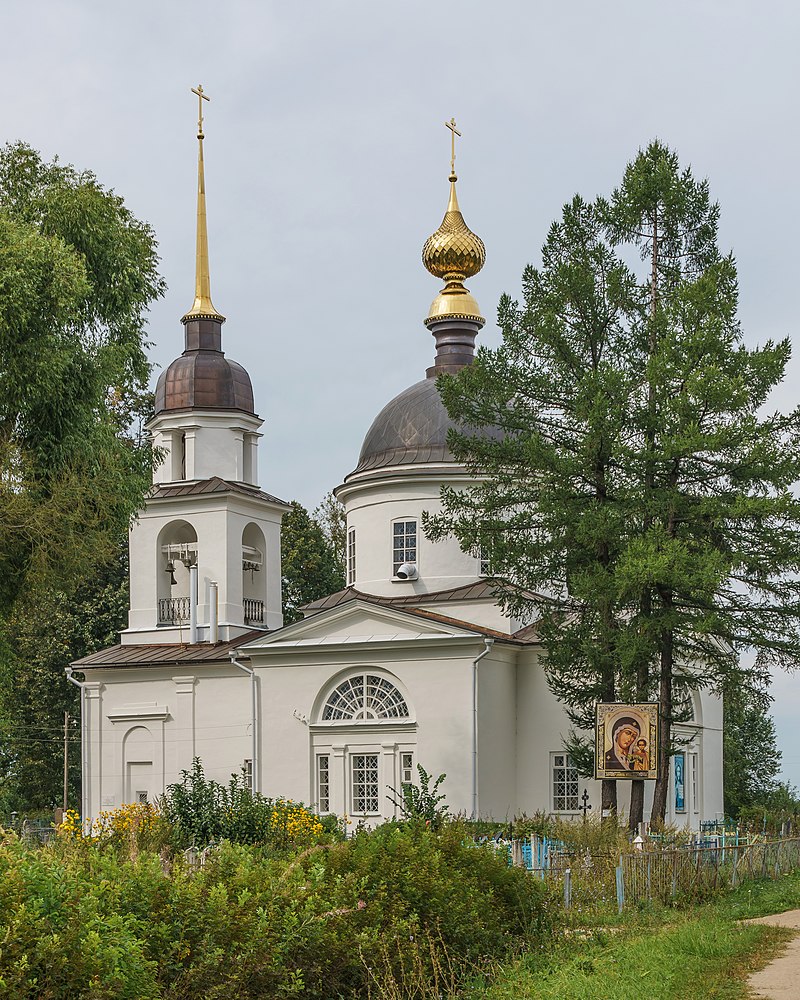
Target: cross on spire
x=201, y=96
x=454, y=132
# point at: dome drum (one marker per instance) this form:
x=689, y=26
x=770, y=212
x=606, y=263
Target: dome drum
x=203, y=334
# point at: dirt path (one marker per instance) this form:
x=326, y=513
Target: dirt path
x=780, y=980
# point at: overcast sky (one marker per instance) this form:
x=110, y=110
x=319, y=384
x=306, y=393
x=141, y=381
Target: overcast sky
x=327, y=163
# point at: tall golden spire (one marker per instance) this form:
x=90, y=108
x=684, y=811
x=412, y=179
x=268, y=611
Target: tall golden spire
x=203, y=307
x=453, y=253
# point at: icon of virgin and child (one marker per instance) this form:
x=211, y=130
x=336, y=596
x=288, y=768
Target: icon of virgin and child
x=628, y=750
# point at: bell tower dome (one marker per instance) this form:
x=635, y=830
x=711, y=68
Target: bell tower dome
x=205, y=552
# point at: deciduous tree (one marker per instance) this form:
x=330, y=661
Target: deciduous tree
x=77, y=272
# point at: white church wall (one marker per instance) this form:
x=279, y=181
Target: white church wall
x=292, y=692
x=486, y=613
x=372, y=508
x=219, y=523
x=145, y=725
x=497, y=733
x=214, y=445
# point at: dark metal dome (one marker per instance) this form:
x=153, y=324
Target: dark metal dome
x=204, y=380
x=411, y=429
x=202, y=377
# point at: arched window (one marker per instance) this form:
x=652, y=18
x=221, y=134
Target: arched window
x=365, y=696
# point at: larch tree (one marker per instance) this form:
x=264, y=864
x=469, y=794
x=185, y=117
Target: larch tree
x=550, y=509
x=716, y=553
x=636, y=483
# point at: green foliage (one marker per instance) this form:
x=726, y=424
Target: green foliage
x=638, y=481
x=751, y=759
x=330, y=516
x=44, y=633
x=77, y=272
x=250, y=924
x=422, y=803
x=309, y=562
x=202, y=812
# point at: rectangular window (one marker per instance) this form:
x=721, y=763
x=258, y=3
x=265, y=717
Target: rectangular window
x=695, y=784
x=365, y=783
x=247, y=768
x=406, y=768
x=351, y=557
x=565, y=783
x=323, y=783
x=141, y=797
x=404, y=544
x=484, y=563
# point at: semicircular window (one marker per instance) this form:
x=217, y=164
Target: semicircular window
x=365, y=696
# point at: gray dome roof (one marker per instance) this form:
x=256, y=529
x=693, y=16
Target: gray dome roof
x=411, y=429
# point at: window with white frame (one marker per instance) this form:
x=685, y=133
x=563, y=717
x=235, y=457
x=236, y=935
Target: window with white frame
x=695, y=772
x=484, y=561
x=564, y=783
x=247, y=768
x=365, y=696
x=364, y=783
x=406, y=767
x=351, y=556
x=404, y=544
x=323, y=783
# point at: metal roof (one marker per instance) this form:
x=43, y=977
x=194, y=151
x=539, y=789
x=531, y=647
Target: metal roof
x=211, y=486
x=167, y=653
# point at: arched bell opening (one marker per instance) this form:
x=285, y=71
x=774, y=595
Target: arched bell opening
x=254, y=577
x=177, y=553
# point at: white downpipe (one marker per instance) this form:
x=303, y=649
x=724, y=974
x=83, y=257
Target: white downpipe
x=488, y=643
x=213, y=612
x=193, y=604
x=84, y=761
x=251, y=671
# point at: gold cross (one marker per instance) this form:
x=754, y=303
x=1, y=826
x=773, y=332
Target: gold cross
x=201, y=96
x=452, y=126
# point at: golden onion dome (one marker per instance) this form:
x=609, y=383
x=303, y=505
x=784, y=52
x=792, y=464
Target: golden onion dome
x=453, y=251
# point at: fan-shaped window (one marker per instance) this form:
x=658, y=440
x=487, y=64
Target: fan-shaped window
x=366, y=696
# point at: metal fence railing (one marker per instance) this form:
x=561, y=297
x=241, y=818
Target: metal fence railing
x=691, y=871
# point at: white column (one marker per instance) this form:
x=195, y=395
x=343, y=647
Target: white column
x=183, y=749
x=338, y=779
x=390, y=783
x=93, y=774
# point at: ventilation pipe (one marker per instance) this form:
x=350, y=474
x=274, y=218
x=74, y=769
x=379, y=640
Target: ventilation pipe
x=193, y=604
x=84, y=749
x=213, y=612
x=488, y=643
x=251, y=671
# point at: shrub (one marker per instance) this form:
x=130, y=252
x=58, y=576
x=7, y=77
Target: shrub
x=80, y=921
x=202, y=811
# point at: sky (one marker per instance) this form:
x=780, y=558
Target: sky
x=327, y=162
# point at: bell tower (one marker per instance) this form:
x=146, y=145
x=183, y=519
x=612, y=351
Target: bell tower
x=205, y=551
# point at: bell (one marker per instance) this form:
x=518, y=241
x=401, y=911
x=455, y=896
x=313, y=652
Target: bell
x=171, y=570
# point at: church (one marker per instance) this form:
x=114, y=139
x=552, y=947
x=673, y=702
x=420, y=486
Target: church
x=414, y=662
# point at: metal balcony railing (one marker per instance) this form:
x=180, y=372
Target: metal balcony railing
x=253, y=611
x=173, y=610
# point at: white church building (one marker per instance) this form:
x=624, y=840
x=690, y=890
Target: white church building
x=414, y=662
